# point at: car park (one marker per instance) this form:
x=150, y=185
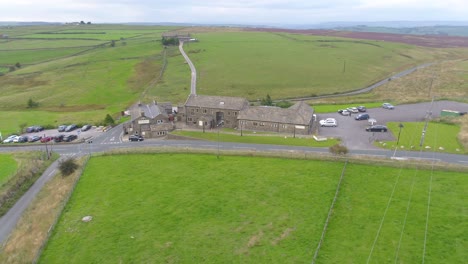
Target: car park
x=329, y=122
x=344, y=112
x=377, y=128
x=388, y=106
x=34, y=138
x=362, y=117
x=62, y=128
x=135, y=138
x=86, y=128
x=361, y=108
x=352, y=109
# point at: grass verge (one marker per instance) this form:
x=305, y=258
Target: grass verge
x=257, y=139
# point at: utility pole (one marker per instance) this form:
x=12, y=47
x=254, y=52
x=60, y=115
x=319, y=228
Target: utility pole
x=428, y=115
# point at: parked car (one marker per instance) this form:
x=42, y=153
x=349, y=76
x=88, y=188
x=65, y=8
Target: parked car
x=10, y=139
x=361, y=108
x=59, y=138
x=62, y=128
x=377, y=128
x=86, y=128
x=352, y=109
x=388, y=106
x=22, y=139
x=33, y=129
x=344, y=112
x=362, y=117
x=69, y=138
x=46, y=139
x=135, y=138
x=70, y=128
x=329, y=122
x=34, y=138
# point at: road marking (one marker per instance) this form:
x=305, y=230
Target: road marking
x=463, y=161
x=208, y=146
x=52, y=172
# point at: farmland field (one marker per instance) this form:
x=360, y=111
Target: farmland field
x=195, y=208
x=7, y=167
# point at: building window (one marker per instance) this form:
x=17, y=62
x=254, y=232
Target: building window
x=192, y=111
x=262, y=124
x=275, y=125
x=229, y=113
x=196, y=110
x=161, y=133
x=189, y=119
x=204, y=111
x=255, y=123
x=159, y=121
x=235, y=113
x=284, y=126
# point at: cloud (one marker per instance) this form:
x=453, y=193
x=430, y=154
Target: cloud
x=229, y=11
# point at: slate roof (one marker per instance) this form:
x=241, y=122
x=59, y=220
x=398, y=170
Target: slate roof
x=152, y=110
x=217, y=102
x=299, y=114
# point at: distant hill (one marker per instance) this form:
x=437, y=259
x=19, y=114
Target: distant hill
x=429, y=30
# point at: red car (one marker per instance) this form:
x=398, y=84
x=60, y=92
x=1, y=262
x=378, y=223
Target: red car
x=46, y=139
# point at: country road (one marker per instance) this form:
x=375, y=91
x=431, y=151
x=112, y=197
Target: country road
x=193, y=82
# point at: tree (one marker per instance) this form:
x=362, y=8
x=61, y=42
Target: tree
x=112, y=43
x=22, y=126
x=267, y=100
x=82, y=22
x=108, y=120
x=89, y=23
x=32, y=104
x=67, y=166
x=18, y=65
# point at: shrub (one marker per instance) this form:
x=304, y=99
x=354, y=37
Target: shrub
x=338, y=149
x=68, y=166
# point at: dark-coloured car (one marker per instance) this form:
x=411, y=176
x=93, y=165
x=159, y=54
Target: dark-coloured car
x=361, y=108
x=86, y=128
x=70, y=128
x=22, y=139
x=377, y=128
x=69, y=138
x=34, y=138
x=362, y=117
x=135, y=138
x=33, y=129
x=59, y=138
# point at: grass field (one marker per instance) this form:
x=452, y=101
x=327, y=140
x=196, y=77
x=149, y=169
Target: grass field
x=8, y=166
x=438, y=137
x=195, y=208
x=248, y=137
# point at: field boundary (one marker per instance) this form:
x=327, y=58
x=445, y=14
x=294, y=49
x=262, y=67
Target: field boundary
x=59, y=214
x=330, y=212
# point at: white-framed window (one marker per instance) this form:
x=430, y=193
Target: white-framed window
x=284, y=126
x=159, y=121
x=275, y=125
x=262, y=124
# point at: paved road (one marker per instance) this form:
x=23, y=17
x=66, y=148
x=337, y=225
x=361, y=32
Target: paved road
x=193, y=82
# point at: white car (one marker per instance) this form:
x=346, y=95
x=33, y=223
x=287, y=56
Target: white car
x=388, y=106
x=344, y=112
x=11, y=139
x=329, y=122
x=352, y=109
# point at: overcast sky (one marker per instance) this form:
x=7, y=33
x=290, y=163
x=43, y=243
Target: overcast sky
x=233, y=11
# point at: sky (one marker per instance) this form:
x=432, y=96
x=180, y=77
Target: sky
x=233, y=11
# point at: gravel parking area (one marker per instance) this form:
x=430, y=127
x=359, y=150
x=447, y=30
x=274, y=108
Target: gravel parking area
x=354, y=136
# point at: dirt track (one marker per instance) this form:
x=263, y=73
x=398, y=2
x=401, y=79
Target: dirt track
x=419, y=40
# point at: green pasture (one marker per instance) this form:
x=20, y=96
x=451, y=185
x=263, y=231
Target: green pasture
x=8, y=166
x=196, y=208
x=30, y=56
x=20, y=44
x=252, y=64
x=248, y=137
x=440, y=137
